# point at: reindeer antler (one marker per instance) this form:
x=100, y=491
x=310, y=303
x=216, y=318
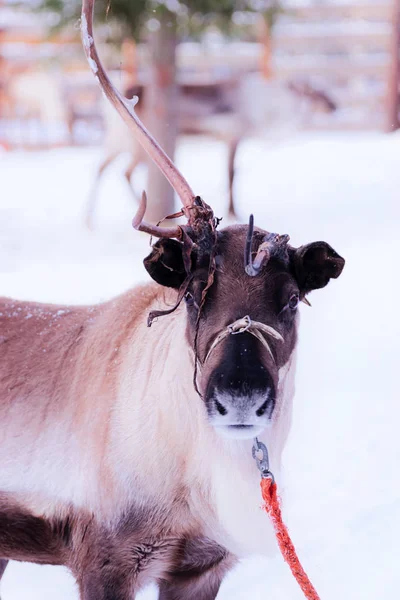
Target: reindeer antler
x=140, y=225
x=125, y=108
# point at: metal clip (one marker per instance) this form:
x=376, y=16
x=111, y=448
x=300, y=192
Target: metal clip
x=240, y=326
x=263, y=462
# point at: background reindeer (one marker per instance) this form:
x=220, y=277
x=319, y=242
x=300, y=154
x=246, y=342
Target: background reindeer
x=231, y=112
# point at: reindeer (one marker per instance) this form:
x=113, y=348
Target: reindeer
x=246, y=107
x=126, y=450
x=215, y=119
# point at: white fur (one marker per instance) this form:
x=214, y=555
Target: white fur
x=178, y=446
x=231, y=433
x=52, y=471
x=236, y=480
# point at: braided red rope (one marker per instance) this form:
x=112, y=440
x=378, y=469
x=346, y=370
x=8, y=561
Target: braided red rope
x=272, y=506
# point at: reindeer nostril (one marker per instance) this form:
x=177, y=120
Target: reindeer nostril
x=262, y=409
x=220, y=408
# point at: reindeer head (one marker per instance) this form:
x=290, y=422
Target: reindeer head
x=241, y=287
x=242, y=314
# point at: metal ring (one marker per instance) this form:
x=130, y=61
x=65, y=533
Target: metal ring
x=268, y=475
x=263, y=462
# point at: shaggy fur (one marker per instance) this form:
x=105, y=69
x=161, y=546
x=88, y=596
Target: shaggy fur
x=110, y=465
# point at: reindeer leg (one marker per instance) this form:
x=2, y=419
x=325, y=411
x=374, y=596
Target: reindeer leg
x=103, y=565
x=201, y=568
x=28, y=538
x=3, y=565
x=199, y=586
x=91, y=205
x=106, y=584
x=136, y=159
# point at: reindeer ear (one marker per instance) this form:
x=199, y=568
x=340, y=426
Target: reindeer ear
x=165, y=263
x=315, y=264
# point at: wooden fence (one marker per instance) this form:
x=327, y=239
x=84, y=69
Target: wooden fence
x=351, y=50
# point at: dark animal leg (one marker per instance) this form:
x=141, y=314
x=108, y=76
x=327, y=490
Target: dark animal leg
x=195, y=587
x=200, y=568
x=233, y=146
x=3, y=565
x=27, y=538
x=106, y=584
x=136, y=159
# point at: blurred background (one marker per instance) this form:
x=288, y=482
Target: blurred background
x=289, y=110
x=227, y=70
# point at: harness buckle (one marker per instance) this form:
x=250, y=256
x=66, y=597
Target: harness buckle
x=263, y=462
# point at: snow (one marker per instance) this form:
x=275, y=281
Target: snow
x=341, y=461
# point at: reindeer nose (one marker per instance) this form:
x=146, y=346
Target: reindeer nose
x=225, y=407
x=261, y=410
x=240, y=412
x=220, y=408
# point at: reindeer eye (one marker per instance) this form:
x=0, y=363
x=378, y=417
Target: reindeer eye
x=293, y=301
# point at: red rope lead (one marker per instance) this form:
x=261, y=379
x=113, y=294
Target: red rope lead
x=272, y=506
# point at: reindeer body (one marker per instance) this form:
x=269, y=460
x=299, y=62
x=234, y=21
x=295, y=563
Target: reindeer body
x=126, y=451
x=103, y=434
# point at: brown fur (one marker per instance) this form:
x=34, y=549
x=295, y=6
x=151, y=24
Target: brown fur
x=25, y=537
x=110, y=564
x=199, y=572
x=3, y=566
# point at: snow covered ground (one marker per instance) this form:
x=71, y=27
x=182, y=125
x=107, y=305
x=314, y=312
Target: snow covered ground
x=342, y=459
